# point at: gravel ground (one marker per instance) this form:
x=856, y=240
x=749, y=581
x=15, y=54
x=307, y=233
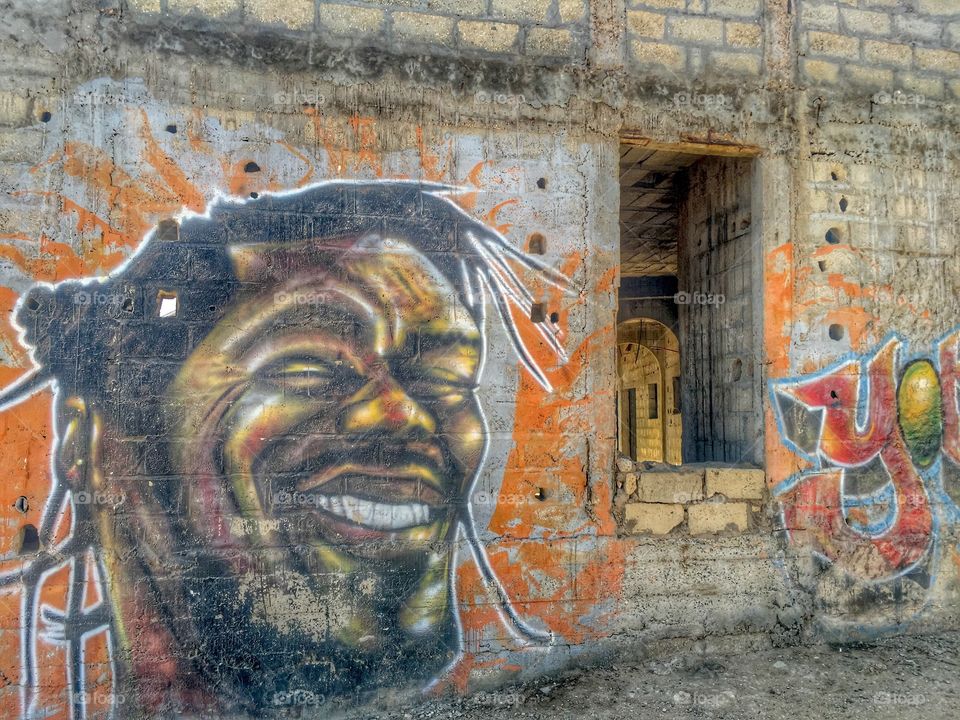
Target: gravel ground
x=905, y=677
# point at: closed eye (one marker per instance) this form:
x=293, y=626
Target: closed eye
x=306, y=374
x=433, y=382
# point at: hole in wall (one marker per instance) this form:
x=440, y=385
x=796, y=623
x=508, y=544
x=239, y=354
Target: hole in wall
x=172, y=129
x=168, y=231
x=822, y=264
x=554, y=317
x=833, y=236
x=737, y=369
x=836, y=332
x=537, y=313
x=21, y=504
x=537, y=244
x=251, y=167
x=166, y=304
x=32, y=304
x=45, y=116
x=127, y=305
x=833, y=395
x=29, y=539
x=540, y=494
x=542, y=183
x=844, y=204
x=254, y=195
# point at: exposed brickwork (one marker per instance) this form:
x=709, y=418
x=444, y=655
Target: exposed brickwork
x=842, y=43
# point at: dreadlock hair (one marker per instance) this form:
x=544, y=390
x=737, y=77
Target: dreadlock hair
x=81, y=331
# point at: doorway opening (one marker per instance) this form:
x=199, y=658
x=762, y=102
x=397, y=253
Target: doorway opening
x=689, y=318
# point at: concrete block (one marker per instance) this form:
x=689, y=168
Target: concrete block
x=866, y=22
x=571, y=11
x=713, y=518
x=292, y=13
x=535, y=10
x=150, y=6
x=350, y=21
x=671, y=487
x=667, y=4
x=910, y=27
x=744, y=35
x=884, y=53
x=419, y=27
x=655, y=518
x=822, y=17
x=731, y=63
x=490, y=36
x=650, y=53
x=869, y=76
x=736, y=483
x=548, y=41
x=833, y=44
x=945, y=61
x=646, y=24
x=929, y=87
x=820, y=71
x=735, y=8
x=460, y=8
x=696, y=29
x=13, y=108
x=939, y=7
x=214, y=8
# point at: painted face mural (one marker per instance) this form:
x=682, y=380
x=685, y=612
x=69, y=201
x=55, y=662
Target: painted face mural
x=267, y=435
x=879, y=435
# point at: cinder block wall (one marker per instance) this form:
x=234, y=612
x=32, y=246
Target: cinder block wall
x=116, y=116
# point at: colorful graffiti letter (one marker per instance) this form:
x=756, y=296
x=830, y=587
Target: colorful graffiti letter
x=872, y=433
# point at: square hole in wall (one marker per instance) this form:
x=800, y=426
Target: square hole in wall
x=166, y=304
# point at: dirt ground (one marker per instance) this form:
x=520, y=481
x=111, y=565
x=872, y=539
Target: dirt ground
x=901, y=678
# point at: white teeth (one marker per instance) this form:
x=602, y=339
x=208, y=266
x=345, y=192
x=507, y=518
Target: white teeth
x=421, y=514
x=403, y=515
x=379, y=516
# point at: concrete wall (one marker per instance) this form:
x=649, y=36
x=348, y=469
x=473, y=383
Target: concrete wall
x=141, y=540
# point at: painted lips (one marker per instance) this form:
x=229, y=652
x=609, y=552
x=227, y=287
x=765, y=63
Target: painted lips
x=375, y=499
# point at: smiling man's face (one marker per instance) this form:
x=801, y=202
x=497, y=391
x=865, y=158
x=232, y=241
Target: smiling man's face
x=332, y=410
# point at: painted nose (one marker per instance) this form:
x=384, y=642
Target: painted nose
x=384, y=406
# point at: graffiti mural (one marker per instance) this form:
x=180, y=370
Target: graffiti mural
x=267, y=434
x=878, y=436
